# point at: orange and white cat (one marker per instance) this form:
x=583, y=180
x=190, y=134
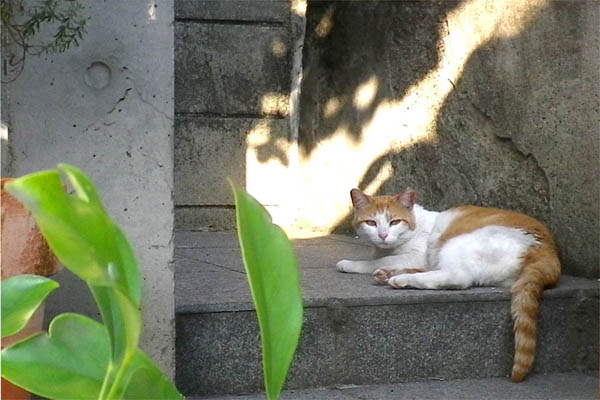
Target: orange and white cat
x=457, y=249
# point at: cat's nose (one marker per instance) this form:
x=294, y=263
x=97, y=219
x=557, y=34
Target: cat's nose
x=382, y=235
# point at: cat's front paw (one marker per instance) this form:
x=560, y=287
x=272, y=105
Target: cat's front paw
x=400, y=281
x=381, y=275
x=344, y=266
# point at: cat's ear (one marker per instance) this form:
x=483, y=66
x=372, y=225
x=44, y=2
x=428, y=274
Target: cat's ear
x=359, y=199
x=407, y=198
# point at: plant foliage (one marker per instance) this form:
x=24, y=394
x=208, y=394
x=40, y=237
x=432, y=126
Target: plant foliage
x=21, y=24
x=80, y=358
x=21, y=296
x=275, y=285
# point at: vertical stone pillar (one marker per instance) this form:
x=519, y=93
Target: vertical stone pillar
x=107, y=108
x=233, y=63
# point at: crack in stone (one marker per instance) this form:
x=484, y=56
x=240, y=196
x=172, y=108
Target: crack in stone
x=512, y=145
x=207, y=262
x=147, y=102
x=122, y=99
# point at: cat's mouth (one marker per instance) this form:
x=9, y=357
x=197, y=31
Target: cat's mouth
x=385, y=245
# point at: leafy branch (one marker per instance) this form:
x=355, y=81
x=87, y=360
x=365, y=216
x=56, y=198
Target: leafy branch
x=20, y=26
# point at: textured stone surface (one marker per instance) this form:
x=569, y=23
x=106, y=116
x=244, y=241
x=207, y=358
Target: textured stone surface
x=539, y=92
x=266, y=11
x=232, y=88
x=356, y=332
x=106, y=106
x=518, y=128
x=200, y=166
x=373, y=345
x=205, y=218
x=231, y=69
x=539, y=386
x=208, y=150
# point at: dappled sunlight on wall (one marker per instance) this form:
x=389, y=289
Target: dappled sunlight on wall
x=269, y=178
x=311, y=190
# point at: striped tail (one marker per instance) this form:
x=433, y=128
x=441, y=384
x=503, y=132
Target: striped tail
x=540, y=268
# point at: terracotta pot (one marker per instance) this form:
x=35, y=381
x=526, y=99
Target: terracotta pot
x=10, y=391
x=24, y=251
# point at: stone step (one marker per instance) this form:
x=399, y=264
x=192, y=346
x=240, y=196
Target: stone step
x=358, y=333
x=563, y=386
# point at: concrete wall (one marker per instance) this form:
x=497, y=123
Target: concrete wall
x=107, y=108
x=469, y=102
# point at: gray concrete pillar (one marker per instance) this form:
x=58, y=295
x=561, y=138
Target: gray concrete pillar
x=107, y=108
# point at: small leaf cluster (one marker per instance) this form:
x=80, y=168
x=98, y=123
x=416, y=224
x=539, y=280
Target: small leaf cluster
x=21, y=25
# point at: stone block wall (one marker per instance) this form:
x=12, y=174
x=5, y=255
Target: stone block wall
x=232, y=76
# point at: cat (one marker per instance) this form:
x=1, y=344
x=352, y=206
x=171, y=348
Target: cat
x=456, y=249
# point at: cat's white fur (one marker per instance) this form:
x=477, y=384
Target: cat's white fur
x=489, y=256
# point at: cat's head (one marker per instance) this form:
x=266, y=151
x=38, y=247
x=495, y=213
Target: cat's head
x=386, y=221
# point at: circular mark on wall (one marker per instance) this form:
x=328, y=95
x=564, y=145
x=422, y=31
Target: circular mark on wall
x=98, y=75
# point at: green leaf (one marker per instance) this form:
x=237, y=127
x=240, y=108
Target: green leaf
x=273, y=276
x=21, y=296
x=88, y=243
x=121, y=317
x=123, y=321
x=81, y=358
x=146, y=381
x=84, y=189
x=68, y=363
x=64, y=222
x=78, y=230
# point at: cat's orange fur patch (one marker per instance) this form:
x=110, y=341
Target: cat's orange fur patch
x=471, y=218
x=540, y=268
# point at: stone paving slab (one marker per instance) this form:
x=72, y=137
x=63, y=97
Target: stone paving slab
x=210, y=276
x=359, y=333
x=538, y=386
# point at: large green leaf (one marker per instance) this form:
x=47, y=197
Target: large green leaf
x=146, y=381
x=123, y=321
x=69, y=226
x=275, y=285
x=21, y=296
x=68, y=363
x=125, y=266
x=78, y=230
x=71, y=362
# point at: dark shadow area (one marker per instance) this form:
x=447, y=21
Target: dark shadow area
x=349, y=43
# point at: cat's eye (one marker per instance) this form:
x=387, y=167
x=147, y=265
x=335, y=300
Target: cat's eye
x=370, y=222
x=395, y=221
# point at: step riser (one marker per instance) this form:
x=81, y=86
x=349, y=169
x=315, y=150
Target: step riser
x=219, y=352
